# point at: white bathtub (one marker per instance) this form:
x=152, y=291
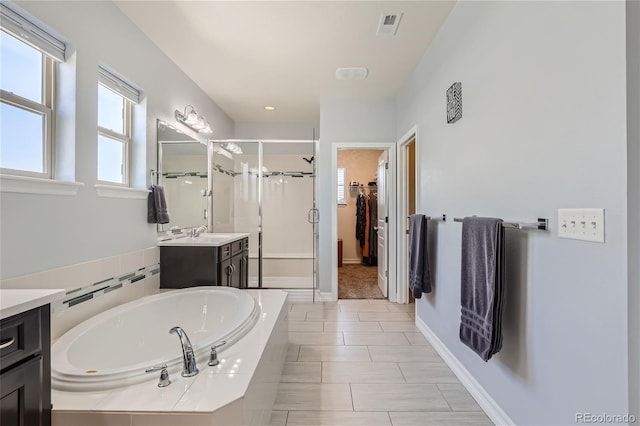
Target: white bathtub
x=113, y=349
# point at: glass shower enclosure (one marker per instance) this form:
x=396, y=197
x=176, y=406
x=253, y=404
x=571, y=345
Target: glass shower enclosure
x=266, y=188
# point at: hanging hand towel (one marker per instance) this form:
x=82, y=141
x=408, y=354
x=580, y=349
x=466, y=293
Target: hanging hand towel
x=419, y=273
x=157, y=206
x=482, y=285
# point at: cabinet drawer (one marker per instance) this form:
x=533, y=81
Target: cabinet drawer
x=237, y=247
x=20, y=337
x=245, y=244
x=225, y=252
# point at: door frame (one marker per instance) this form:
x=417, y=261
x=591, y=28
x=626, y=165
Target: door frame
x=403, y=225
x=392, y=209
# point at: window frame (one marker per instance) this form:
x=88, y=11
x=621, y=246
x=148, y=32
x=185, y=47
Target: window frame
x=124, y=138
x=44, y=108
x=341, y=201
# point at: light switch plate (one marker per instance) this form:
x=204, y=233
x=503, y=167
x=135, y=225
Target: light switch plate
x=581, y=224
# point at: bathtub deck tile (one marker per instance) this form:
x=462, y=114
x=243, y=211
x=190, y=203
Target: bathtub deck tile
x=72, y=401
x=147, y=396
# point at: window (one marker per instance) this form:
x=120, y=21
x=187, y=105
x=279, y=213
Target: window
x=341, y=192
x=29, y=56
x=115, y=98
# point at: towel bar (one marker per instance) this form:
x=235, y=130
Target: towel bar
x=443, y=218
x=542, y=224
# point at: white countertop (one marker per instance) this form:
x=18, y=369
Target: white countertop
x=15, y=301
x=204, y=240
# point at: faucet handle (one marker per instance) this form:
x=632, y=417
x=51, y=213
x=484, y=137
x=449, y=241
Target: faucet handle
x=164, y=375
x=213, y=358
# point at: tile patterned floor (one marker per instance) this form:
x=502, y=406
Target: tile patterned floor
x=364, y=362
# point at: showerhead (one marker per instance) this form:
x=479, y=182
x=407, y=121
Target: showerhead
x=308, y=160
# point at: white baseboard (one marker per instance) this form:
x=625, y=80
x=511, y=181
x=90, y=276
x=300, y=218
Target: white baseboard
x=301, y=283
x=327, y=296
x=298, y=295
x=352, y=261
x=488, y=404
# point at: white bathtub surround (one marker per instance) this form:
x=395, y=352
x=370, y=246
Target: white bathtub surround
x=15, y=301
x=209, y=315
x=239, y=391
x=90, y=277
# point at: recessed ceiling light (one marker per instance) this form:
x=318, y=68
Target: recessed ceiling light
x=270, y=108
x=357, y=73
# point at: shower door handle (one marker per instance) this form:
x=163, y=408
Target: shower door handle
x=313, y=216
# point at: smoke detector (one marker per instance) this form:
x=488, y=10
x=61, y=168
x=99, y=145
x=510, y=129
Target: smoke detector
x=389, y=23
x=355, y=73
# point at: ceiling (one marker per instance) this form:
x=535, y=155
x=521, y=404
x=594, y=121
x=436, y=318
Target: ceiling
x=248, y=54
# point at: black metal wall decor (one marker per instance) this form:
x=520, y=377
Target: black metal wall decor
x=454, y=102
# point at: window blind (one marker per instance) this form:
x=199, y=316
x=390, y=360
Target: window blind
x=26, y=30
x=118, y=85
x=341, y=177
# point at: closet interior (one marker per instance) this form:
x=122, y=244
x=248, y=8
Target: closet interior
x=357, y=224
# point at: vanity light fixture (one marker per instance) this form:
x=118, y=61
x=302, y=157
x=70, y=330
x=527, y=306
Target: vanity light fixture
x=270, y=108
x=193, y=120
x=232, y=147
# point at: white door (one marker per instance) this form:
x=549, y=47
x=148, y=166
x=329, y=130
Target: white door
x=383, y=261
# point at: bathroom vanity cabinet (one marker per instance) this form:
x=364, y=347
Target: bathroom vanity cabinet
x=25, y=360
x=193, y=264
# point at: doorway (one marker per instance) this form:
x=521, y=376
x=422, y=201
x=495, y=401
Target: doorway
x=361, y=200
x=407, y=205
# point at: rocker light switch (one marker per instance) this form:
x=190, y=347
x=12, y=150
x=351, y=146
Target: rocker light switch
x=581, y=224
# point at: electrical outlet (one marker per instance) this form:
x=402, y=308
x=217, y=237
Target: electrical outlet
x=581, y=224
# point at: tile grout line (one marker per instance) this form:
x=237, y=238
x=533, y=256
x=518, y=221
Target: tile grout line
x=443, y=397
x=401, y=372
x=353, y=407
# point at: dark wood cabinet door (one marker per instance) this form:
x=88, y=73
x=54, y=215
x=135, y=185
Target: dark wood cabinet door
x=20, y=395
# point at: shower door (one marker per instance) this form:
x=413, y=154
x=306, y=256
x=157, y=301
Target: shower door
x=287, y=210
x=266, y=189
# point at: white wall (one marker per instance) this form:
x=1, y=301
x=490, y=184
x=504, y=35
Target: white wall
x=41, y=232
x=633, y=180
x=258, y=131
x=543, y=127
x=345, y=120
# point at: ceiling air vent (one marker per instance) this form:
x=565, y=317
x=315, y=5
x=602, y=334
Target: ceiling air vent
x=389, y=24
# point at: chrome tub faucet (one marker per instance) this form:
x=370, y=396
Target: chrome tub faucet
x=189, y=367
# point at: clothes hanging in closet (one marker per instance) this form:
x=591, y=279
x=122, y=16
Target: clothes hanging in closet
x=372, y=253
x=366, y=227
x=361, y=218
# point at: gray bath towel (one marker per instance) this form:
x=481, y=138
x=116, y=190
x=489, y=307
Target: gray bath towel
x=157, y=206
x=482, y=285
x=419, y=274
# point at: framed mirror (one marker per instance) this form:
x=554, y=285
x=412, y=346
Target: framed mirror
x=182, y=172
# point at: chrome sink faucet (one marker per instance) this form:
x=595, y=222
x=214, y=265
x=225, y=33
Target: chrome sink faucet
x=189, y=368
x=195, y=232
